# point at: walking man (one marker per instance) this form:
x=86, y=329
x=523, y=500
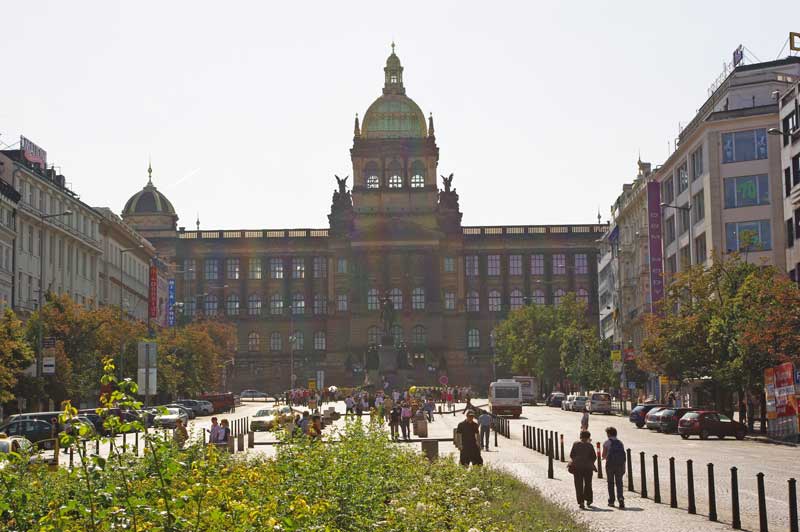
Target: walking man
x=485, y=424
x=614, y=455
x=470, y=446
x=405, y=421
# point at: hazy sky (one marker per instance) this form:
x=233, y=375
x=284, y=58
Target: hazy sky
x=246, y=108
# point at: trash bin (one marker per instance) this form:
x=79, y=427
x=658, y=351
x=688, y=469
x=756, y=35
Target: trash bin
x=430, y=448
x=420, y=425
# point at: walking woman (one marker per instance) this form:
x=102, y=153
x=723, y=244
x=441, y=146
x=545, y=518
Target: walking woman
x=581, y=465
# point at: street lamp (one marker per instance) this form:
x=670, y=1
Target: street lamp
x=687, y=208
x=775, y=131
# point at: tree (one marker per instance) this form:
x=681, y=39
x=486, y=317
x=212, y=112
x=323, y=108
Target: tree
x=15, y=354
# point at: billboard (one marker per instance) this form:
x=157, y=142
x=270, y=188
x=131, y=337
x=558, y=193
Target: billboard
x=781, y=394
x=171, y=303
x=794, y=41
x=654, y=237
x=32, y=152
x=152, y=297
x=738, y=55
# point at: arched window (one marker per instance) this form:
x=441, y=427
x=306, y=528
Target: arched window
x=298, y=304
x=320, y=304
x=397, y=334
x=418, y=299
x=396, y=295
x=232, y=305
x=373, y=336
x=210, y=305
x=583, y=295
x=373, y=301
x=371, y=177
x=254, y=305
x=494, y=301
x=276, y=304
x=395, y=173
x=557, y=295
x=538, y=297
x=417, y=174
x=473, y=339
x=319, y=341
x=516, y=299
x=253, y=342
x=275, y=341
x=297, y=340
x=473, y=302
x=419, y=335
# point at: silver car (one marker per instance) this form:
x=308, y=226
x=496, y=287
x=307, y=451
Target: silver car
x=578, y=403
x=169, y=419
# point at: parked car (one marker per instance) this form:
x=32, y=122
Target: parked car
x=252, y=395
x=269, y=418
x=639, y=413
x=207, y=406
x=555, y=399
x=566, y=404
x=579, y=403
x=653, y=418
x=598, y=403
x=35, y=430
x=169, y=418
x=705, y=423
x=192, y=405
x=189, y=412
x=669, y=418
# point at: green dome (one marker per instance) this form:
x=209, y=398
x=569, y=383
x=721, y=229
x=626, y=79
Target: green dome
x=394, y=116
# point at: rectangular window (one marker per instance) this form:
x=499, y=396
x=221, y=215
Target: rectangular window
x=298, y=268
x=341, y=265
x=320, y=305
x=748, y=236
x=254, y=268
x=683, y=219
x=320, y=267
x=449, y=264
x=789, y=233
x=787, y=181
x=746, y=191
x=471, y=264
x=493, y=268
x=668, y=190
x=276, y=268
x=515, y=265
x=750, y=145
x=697, y=163
x=341, y=303
x=232, y=268
x=796, y=169
x=700, y=249
x=537, y=264
x=211, y=271
x=671, y=265
x=686, y=258
x=449, y=301
x=559, y=264
x=698, y=207
x=581, y=264
x=669, y=230
x=683, y=177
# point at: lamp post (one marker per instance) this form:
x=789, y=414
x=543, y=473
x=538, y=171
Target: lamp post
x=687, y=208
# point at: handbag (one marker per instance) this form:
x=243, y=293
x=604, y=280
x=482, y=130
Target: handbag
x=571, y=467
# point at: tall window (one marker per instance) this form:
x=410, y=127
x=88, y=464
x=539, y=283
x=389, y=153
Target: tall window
x=537, y=264
x=276, y=304
x=558, y=295
x=275, y=342
x=298, y=268
x=494, y=301
x=449, y=264
x=698, y=207
x=473, y=302
x=232, y=268
x=700, y=249
x=371, y=178
x=189, y=267
x=418, y=335
x=276, y=268
x=253, y=342
x=697, y=163
x=471, y=265
x=449, y=301
x=254, y=268
x=417, y=174
x=747, y=145
x=516, y=299
x=493, y=266
x=298, y=341
x=746, y=191
x=232, y=305
x=210, y=305
x=583, y=295
x=320, y=267
x=320, y=304
x=211, y=271
x=683, y=177
x=298, y=304
x=395, y=175
x=341, y=303
x=473, y=339
x=397, y=334
x=515, y=265
x=341, y=265
x=189, y=308
x=748, y=236
x=373, y=336
x=669, y=230
x=581, y=264
x=418, y=299
x=254, y=305
x=559, y=264
x=668, y=190
x=320, y=343
x=396, y=295
x=373, y=299
x=538, y=297
x=683, y=218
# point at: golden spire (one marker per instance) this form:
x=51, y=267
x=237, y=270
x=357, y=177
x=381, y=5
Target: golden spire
x=149, y=173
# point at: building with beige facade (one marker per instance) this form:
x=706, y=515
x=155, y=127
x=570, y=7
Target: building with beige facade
x=9, y=197
x=789, y=133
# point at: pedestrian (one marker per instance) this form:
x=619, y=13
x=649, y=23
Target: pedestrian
x=582, y=466
x=614, y=455
x=224, y=432
x=305, y=421
x=388, y=404
x=179, y=434
x=468, y=406
x=405, y=421
x=429, y=407
x=394, y=421
x=213, y=433
x=470, y=444
x=585, y=419
x=348, y=405
x=485, y=424
x=743, y=411
x=315, y=429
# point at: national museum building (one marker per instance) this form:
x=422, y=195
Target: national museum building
x=308, y=301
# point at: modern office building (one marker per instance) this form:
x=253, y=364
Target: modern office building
x=789, y=132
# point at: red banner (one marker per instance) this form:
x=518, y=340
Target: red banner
x=152, y=298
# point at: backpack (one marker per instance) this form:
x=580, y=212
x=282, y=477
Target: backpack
x=616, y=454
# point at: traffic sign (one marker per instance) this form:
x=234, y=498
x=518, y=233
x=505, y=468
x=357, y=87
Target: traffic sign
x=617, y=365
x=48, y=365
x=443, y=380
x=632, y=385
x=147, y=354
x=616, y=355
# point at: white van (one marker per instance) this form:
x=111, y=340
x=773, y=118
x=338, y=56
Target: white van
x=598, y=403
x=505, y=398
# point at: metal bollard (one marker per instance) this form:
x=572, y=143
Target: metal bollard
x=550, y=459
x=524, y=436
x=562, y=447
x=643, y=467
x=555, y=445
x=630, y=470
x=240, y=442
x=495, y=437
x=793, y=505
x=762, y=504
x=97, y=446
x=690, y=492
x=71, y=448
x=136, y=443
x=712, y=494
x=736, y=522
x=599, y=462
x=123, y=440
x=673, y=491
x=251, y=440
x=656, y=484
x=83, y=442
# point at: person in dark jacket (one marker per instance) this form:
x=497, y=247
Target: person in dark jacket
x=582, y=466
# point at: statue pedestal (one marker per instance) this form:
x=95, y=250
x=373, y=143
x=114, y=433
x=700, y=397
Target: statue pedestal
x=387, y=359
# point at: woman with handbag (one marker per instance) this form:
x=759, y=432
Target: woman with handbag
x=582, y=466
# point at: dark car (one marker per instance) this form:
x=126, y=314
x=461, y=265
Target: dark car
x=705, y=423
x=651, y=420
x=669, y=418
x=35, y=430
x=639, y=412
x=555, y=399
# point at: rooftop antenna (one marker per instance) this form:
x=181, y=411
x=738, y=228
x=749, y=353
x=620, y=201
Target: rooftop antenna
x=198, y=221
x=599, y=216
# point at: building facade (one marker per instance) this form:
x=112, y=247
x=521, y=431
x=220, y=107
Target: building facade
x=306, y=302
x=790, y=163
x=9, y=197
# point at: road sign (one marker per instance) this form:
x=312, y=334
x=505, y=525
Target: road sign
x=663, y=380
x=617, y=365
x=147, y=387
x=616, y=355
x=147, y=350
x=632, y=385
x=48, y=365
x=443, y=380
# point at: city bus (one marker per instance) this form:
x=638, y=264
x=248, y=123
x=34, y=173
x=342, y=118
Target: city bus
x=505, y=398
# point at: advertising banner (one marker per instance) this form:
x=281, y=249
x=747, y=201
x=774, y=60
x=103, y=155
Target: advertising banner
x=171, y=303
x=782, y=411
x=654, y=234
x=152, y=298
x=32, y=152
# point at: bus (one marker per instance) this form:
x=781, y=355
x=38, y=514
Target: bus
x=505, y=398
x=530, y=390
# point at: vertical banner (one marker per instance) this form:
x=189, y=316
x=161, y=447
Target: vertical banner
x=654, y=234
x=171, y=303
x=152, y=297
